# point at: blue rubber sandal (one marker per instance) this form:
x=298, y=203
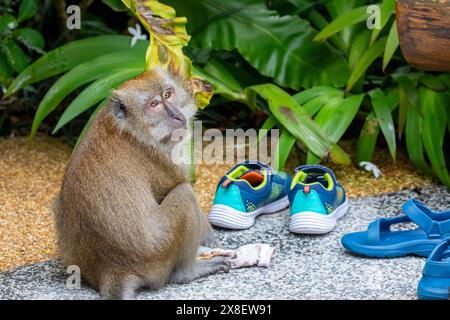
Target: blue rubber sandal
x=435, y=283
x=380, y=242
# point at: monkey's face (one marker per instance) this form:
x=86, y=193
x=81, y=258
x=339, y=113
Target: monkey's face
x=153, y=106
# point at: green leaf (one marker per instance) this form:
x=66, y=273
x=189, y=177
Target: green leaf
x=70, y=55
x=283, y=149
x=391, y=45
x=311, y=93
x=334, y=8
x=408, y=98
x=32, y=39
x=5, y=70
x=403, y=110
x=327, y=106
x=268, y=124
x=116, y=5
x=222, y=79
x=383, y=115
x=337, y=8
x=318, y=21
x=15, y=56
x=295, y=119
x=364, y=63
x=336, y=118
x=88, y=124
x=432, y=82
x=346, y=19
x=367, y=139
x=445, y=78
x=413, y=135
x=315, y=98
x=220, y=88
x=359, y=46
x=387, y=9
x=315, y=104
x=27, y=10
x=328, y=109
x=94, y=93
x=434, y=127
x=216, y=68
x=393, y=98
x=7, y=23
x=445, y=98
x=280, y=47
x=105, y=65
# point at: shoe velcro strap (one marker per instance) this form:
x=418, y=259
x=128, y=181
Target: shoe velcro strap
x=421, y=215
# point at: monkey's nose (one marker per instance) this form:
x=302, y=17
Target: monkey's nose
x=177, y=118
x=179, y=122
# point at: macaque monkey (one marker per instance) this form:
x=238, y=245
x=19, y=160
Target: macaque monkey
x=126, y=213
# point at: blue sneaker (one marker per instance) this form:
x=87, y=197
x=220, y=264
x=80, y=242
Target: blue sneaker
x=317, y=200
x=249, y=189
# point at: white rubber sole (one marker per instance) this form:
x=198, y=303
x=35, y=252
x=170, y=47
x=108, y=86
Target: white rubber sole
x=316, y=223
x=227, y=217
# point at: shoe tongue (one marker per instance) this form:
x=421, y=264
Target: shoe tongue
x=254, y=177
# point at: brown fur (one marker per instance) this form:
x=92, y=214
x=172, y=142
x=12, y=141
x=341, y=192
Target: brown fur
x=126, y=214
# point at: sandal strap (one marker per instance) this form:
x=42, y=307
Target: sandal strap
x=382, y=225
x=434, y=267
x=417, y=212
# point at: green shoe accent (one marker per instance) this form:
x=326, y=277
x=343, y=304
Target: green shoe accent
x=230, y=196
x=236, y=173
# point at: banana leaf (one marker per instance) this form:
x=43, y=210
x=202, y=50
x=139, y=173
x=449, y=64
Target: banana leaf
x=94, y=93
x=84, y=73
x=279, y=47
x=68, y=56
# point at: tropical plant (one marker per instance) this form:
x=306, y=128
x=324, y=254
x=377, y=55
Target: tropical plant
x=339, y=69
x=14, y=38
x=312, y=66
x=102, y=63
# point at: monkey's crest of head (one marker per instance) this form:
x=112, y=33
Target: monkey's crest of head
x=154, y=106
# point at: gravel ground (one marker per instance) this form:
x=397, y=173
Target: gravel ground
x=306, y=267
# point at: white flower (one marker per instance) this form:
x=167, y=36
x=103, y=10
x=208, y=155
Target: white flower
x=369, y=166
x=137, y=34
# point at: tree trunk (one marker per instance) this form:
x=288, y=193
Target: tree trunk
x=424, y=32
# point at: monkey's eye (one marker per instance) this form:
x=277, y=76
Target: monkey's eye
x=167, y=94
x=154, y=103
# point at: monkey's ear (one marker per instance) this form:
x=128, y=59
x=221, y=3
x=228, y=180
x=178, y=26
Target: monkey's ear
x=119, y=109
